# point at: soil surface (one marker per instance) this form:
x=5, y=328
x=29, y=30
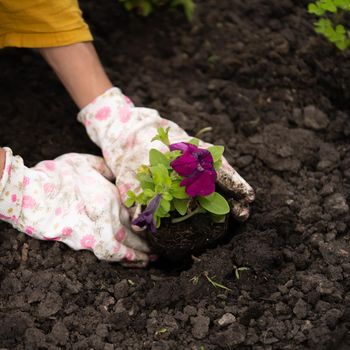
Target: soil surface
x=278, y=98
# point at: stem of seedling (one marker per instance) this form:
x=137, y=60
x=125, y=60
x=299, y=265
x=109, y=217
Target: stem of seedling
x=195, y=280
x=198, y=210
x=238, y=270
x=203, y=131
x=215, y=284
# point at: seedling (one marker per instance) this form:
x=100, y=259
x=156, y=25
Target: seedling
x=161, y=331
x=215, y=284
x=238, y=271
x=195, y=280
x=178, y=184
x=331, y=21
x=145, y=7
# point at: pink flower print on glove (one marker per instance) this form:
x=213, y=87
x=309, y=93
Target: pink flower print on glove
x=103, y=113
x=124, y=114
x=49, y=165
x=28, y=202
x=67, y=231
x=88, y=241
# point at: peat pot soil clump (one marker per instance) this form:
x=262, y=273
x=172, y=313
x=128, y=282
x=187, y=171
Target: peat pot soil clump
x=277, y=97
x=178, y=241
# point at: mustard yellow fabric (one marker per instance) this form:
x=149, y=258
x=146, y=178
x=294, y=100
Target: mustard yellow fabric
x=41, y=23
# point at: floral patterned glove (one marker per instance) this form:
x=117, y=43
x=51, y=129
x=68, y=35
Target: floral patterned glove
x=70, y=199
x=124, y=133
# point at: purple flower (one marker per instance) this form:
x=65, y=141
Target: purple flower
x=146, y=218
x=196, y=166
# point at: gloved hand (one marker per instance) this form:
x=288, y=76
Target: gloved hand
x=124, y=133
x=70, y=200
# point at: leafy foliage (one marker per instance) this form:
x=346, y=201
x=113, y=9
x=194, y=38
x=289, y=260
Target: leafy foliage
x=331, y=13
x=160, y=180
x=145, y=7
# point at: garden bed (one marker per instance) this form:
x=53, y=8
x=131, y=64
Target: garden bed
x=278, y=98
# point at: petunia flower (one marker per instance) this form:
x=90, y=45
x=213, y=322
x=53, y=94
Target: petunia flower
x=196, y=166
x=146, y=218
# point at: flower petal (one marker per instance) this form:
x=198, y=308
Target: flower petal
x=153, y=204
x=146, y=218
x=202, y=184
x=179, y=146
x=206, y=159
x=185, y=165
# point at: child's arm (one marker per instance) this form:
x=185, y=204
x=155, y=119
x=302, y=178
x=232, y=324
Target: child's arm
x=80, y=71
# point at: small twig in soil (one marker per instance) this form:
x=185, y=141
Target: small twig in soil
x=195, y=259
x=25, y=250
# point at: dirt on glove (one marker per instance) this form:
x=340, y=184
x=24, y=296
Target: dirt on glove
x=277, y=97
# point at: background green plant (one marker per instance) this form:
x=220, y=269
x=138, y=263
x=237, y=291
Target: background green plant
x=330, y=23
x=145, y=7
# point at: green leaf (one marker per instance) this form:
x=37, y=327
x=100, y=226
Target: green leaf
x=181, y=205
x=172, y=155
x=215, y=203
x=131, y=194
x=129, y=202
x=145, y=180
x=194, y=141
x=161, y=212
x=160, y=175
x=340, y=29
x=178, y=191
x=156, y=157
x=328, y=5
x=323, y=25
x=313, y=8
x=158, y=221
x=217, y=164
x=167, y=196
x=141, y=199
x=165, y=205
x=188, y=6
x=162, y=136
x=343, y=45
x=129, y=6
x=342, y=4
x=148, y=193
x=216, y=152
x=145, y=7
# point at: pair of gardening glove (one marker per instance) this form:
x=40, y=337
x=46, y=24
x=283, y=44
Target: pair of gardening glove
x=72, y=199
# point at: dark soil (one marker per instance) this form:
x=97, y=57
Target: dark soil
x=278, y=98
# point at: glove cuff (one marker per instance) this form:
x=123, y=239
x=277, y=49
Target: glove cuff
x=11, y=188
x=100, y=107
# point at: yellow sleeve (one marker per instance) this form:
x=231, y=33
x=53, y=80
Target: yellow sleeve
x=41, y=23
